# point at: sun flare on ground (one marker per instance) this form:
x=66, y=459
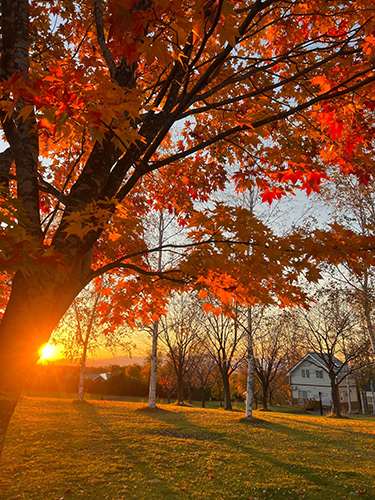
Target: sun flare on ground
x=49, y=351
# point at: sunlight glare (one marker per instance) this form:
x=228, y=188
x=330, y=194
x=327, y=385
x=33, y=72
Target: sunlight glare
x=48, y=351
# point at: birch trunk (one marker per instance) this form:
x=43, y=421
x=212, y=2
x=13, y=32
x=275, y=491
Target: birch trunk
x=250, y=372
x=373, y=398
x=154, y=367
x=155, y=330
x=367, y=311
x=81, y=385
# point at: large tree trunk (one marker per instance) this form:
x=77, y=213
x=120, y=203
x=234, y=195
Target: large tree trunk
x=36, y=305
x=154, y=367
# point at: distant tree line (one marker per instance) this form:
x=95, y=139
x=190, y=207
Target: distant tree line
x=202, y=354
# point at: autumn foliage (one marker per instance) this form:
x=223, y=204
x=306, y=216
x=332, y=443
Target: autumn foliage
x=113, y=109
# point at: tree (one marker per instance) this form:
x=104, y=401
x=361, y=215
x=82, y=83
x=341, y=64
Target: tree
x=270, y=348
x=167, y=379
x=180, y=332
x=224, y=340
x=82, y=331
x=164, y=233
x=353, y=205
x=155, y=329
x=203, y=378
x=112, y=108
x=330, y=330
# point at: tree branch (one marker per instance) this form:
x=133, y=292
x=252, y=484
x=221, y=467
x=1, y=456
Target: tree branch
x=256, y=124
x=101, y=40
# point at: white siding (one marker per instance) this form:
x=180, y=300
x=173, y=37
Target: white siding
x=312, y=385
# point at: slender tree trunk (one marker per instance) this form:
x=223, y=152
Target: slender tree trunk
x=264, y=397
x=362, y=401
x=349, y=400
x=367, y=311
x=81, y=385
x=250, y=370
x=226, y=386
x=180, y=388
x=154, y=367
x=370, y=330
x=155, y=331
x=203, y=398
x=220, y=398
x=189, y=394
x=373, y=398
x=335, y=409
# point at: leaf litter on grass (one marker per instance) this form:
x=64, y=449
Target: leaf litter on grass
x=116, y=450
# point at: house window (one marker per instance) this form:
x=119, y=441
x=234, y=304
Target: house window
x=319, y=373
x=302, y=394
x=303, y=374
x=307, y=373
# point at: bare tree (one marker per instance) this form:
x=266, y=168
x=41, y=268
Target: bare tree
x=250, y=321
x=203, y=375
x=330, y=329
x=352, y=204
x=225, y=340
x=180, y=332
x=83, y=330
x=270, y=351
x=167, y=379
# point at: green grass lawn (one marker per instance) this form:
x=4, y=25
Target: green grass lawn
x=114, y=450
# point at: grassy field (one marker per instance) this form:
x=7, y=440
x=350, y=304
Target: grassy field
x=115, y=450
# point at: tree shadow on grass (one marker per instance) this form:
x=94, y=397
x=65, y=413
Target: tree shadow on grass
x=307, y=473
x=174, y=427
x=324, y=422
x=255, y=422
x=147, y=410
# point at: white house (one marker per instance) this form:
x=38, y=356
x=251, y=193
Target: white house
x=309, y=381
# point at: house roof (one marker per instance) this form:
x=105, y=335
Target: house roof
x=317, y=360
x=97, y=376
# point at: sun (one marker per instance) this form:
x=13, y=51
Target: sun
x=48, y=351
